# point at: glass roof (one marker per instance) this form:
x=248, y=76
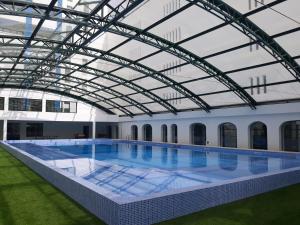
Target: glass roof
x=121, y=57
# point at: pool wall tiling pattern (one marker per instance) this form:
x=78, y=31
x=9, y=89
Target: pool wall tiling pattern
x=157, y=207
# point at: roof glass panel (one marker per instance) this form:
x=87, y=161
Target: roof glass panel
x=289, y=44
x=147, y=11
x=205, y=86
x=241, y=58
x=155, y=107
x=134, y=109
x=140, y=97
x=218, y=40
x=278, y=92
x=148, y=83
x=228, y=98
x=180, y=27
x=134, y=50
x=285, y=14
x=128, y=74
x=272, y=73
x=123, y=64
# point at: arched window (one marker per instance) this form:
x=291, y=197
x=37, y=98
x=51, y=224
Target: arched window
x=258, y=136
x=147, y=132
x=290, y=136
x=198, y=134
x=164, y=133
x=174, y=137
x=134, y=132
x=228, y=135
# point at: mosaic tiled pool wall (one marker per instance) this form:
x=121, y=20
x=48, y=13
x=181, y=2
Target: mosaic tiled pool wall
x=78, y=189
x=158, y=207
x=178, y=204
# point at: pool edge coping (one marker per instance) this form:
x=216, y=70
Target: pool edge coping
x=121, y=200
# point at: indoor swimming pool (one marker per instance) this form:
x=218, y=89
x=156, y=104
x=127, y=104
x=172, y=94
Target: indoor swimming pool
x=125, y=169
x=115, y=176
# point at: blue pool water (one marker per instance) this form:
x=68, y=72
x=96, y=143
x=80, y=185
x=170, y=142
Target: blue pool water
x=131, y=170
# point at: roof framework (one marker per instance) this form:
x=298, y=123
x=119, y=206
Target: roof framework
x=47, y=59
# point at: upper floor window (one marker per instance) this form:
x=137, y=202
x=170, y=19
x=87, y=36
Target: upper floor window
x=61, y=106
x=25, y=104
x=1, y=103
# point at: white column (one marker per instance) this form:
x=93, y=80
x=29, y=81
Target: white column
x=4, y=130
x=94, y=130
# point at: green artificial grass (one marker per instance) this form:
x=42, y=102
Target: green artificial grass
x=27, y=199
x=279, y=207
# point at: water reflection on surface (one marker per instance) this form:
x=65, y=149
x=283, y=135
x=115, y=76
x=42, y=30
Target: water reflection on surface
x=137, y=170
x=146, y=156
x=228, y=161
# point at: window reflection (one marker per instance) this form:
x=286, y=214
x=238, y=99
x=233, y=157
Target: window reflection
x=228, y=161
x=198, y=159
x=174, y=156
x=147, y=153
x=258, y=164
x=164, y=155
x=134, y=151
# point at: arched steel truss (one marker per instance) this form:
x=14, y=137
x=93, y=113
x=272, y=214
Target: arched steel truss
x=90, y=25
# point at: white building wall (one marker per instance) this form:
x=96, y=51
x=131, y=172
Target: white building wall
x=272, y=115
x=85, y=112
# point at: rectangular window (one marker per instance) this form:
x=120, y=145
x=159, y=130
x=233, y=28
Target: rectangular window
x=258, y=87
x=25, y=104
x=265, y=83
x=61, y=106
x=251, y=84
x=34, y=130
x=66, y=107
x=1, y=103
x=53, y=106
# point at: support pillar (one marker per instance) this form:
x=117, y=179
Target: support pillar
x=94, y=130
x=4, y=130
